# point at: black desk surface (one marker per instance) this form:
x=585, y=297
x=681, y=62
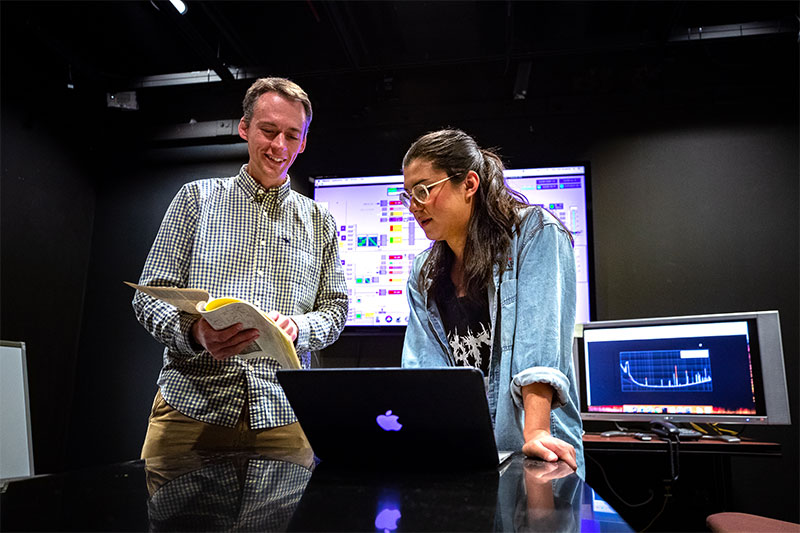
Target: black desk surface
x=276, y=492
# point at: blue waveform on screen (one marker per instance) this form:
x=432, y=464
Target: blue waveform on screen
x=665, y=370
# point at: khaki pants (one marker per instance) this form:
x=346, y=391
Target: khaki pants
x=170, y=433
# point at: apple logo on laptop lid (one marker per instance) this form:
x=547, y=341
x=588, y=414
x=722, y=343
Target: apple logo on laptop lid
x=387, y=519
x=388, y=422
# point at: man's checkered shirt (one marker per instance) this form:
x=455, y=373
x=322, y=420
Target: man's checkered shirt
x=218, y=497
x=274, y=248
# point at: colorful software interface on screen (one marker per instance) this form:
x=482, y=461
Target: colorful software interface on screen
x=700, y=369
x=379, y=238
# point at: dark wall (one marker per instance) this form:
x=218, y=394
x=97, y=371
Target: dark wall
x=47, y=211
x=697, y=219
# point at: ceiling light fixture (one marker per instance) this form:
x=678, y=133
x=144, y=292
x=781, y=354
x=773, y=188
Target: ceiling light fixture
x=703, y=33
x=179, y=6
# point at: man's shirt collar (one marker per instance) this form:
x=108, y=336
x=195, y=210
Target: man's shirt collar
x=257, y=191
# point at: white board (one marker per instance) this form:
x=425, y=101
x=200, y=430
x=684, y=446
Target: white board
x=16, y=447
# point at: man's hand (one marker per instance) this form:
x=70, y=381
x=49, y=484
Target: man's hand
x=224, y=343
x=544, y=446
x=285, y=323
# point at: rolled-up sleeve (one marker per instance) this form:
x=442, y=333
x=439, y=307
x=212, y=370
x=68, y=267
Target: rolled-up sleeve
x=541, y=374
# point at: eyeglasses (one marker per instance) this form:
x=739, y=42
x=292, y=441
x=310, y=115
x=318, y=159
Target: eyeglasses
x=419, y=192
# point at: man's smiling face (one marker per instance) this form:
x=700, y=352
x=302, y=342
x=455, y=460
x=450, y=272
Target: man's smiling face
x=275, y=135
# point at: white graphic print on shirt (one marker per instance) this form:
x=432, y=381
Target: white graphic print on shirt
x=469, y=346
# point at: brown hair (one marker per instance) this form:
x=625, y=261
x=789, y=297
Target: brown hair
x=282, y=86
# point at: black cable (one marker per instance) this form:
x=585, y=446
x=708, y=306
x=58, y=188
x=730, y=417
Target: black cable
x=674, y=457
x=608, y=484
x=667, y=496
x=620, y=428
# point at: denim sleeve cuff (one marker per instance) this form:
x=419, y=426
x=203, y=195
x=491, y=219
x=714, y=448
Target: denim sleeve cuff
x=183, y=339
x=301, y=343
x=541, y=374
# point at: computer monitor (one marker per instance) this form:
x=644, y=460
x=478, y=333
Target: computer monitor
x=379, y=238
x=724, y=368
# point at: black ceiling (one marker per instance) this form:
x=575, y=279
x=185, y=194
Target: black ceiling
x=115, y=42
x=396, y=56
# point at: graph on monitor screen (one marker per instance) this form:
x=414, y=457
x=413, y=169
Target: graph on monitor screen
x=667, y=370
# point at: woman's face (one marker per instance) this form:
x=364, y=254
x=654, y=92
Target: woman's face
x=445, y=215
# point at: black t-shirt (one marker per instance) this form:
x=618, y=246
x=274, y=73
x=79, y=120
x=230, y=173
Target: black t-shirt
x=467, y=325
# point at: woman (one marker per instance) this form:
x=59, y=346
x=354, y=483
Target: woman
x=495, y=291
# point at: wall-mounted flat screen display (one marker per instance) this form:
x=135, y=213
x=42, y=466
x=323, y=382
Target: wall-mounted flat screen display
x=379, y=238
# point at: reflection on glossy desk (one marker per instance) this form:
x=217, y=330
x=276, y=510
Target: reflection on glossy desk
x=278, y=491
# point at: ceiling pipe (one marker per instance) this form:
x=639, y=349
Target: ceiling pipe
x=193, y=37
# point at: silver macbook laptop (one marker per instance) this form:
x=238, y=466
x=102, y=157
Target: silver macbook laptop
x=395, y=418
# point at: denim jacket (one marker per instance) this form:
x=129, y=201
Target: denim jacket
x=532, y=311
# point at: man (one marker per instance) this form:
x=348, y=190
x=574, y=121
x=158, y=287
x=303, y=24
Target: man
x=249, y=237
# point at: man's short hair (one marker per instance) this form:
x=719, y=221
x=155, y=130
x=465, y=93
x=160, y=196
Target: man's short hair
x=282, y=86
